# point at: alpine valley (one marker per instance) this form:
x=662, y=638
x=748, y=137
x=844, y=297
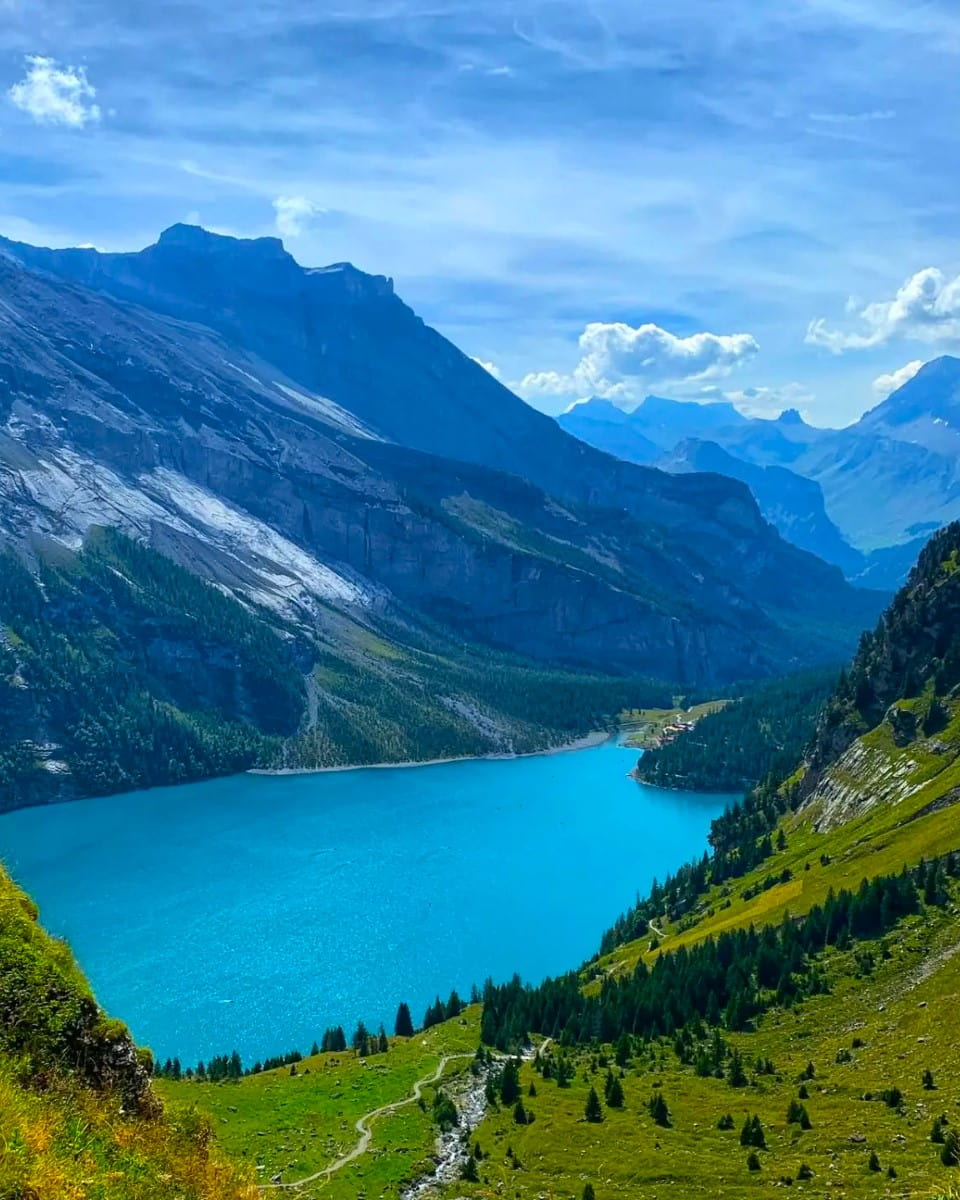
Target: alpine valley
x=259, y=515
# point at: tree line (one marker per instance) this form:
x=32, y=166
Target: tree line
x=725, y=981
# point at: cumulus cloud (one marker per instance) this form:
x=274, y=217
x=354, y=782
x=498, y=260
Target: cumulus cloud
x=294, y=214
x=490, y=367
x=56, y=95
x=926, y=309
x=616, y=359
x=885, y=385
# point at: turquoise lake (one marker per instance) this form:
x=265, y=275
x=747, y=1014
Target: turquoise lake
x=252, y=912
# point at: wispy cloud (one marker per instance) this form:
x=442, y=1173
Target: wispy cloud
x=56, y=95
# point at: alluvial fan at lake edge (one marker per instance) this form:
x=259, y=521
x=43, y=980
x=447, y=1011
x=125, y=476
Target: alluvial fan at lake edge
x=252, y=912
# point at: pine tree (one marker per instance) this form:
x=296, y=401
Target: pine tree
x=403, y=1026
x=615, y=1094
x=469, y=1172
x=509, y=1083
x=874, y=1163
x=314, y=1050
x=624, y=1050
x=658, y=1109
x=382, y=1044
x=736, y=1076
x=361, y=1040
x=929, y=1083
x=797, y=1115
x=588, y=1192
x=520, y=1114
x=753, y=1161
x=950, y=1154
x=593, y=1110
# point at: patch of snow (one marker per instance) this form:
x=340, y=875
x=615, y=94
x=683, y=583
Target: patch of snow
x=74, y=493
x=241, y=371
x=241, y=534
x=330, y=412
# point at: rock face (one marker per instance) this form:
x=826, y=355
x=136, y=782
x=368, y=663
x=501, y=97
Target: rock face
x=301, y=437
x=890, y=728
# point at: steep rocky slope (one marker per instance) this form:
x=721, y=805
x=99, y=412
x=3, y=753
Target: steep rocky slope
x=890, y=730
x=301, y=438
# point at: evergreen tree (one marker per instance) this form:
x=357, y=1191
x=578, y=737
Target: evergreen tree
x=382, y=1044
x=874, y=1163
x=469, y=1173
x=593, y=1110
x=658, y=1110
x=509, y=1083
x=736, y=1076
x=403, y=1026
x=929, y=1083
x=615, y=1094
x=805, y=1172
x=361, y=1040
x=950, y=1154
x=797, y=1115
x=520, y=1114
x=588, y=1192
x=753, y=1161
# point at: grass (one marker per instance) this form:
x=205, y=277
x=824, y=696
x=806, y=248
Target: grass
x=904, y=1019
x=645, y=726
x=75, y=1119
x=298, y=1125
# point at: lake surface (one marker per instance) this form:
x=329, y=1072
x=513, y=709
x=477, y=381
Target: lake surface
x=252, y=912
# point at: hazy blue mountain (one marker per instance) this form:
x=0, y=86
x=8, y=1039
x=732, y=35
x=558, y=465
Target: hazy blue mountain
x=791, y=503
x=603, y=424
x=887, y=482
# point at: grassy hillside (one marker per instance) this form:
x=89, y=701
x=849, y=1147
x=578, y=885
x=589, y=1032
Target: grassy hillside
x=78, y=1116
x=304, y=1123
x=120, y=670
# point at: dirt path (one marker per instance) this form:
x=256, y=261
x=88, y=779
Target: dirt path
x=362, y=1127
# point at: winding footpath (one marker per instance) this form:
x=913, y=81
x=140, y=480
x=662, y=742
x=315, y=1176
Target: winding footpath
x=363, y=1128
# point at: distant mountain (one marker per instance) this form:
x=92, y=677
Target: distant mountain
x=792, y=504
x=888, y=482
x=606, y=426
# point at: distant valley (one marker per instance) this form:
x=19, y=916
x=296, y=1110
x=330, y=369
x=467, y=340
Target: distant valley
x=865, y=498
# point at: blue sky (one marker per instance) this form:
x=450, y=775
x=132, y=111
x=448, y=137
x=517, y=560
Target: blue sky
x=703, y=198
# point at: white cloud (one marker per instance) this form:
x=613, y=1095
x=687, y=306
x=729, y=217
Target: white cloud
x=617, y=360
x=293, y=214
x=56, y=95
x=926, y=309
x=769, y=401
x=490, y=367
x=885, y=385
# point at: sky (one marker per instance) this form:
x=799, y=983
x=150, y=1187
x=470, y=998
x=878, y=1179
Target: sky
x=753, y=200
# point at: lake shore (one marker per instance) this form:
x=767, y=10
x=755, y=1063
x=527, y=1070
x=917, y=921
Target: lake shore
x=587, y=742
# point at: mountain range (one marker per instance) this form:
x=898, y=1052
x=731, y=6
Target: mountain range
x=865, y=498
x=302, y=441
